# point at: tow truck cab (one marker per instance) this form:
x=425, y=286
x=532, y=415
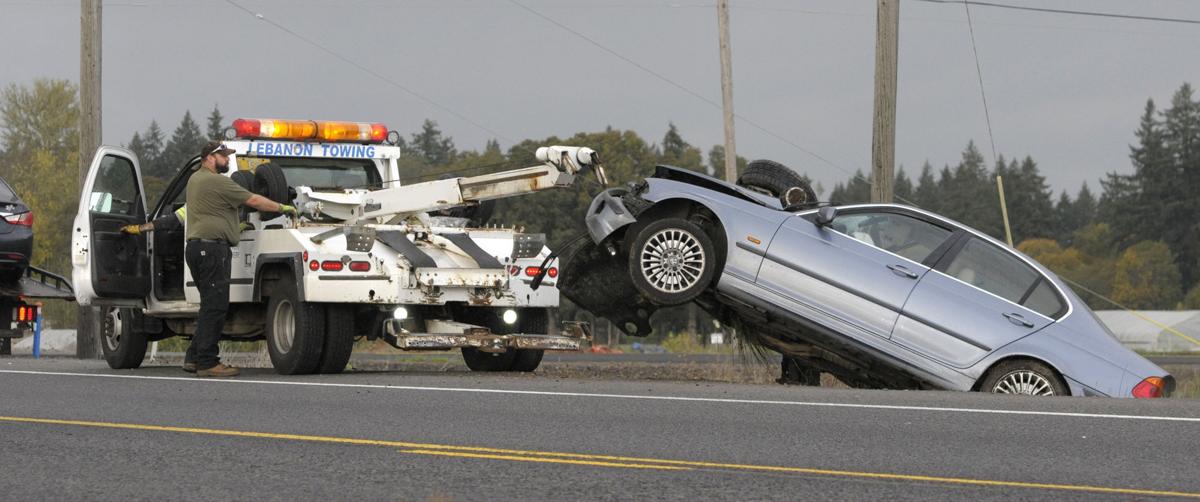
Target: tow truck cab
x=390, y=277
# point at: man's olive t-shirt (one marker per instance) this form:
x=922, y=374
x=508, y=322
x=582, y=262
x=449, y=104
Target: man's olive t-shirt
x=212, y=206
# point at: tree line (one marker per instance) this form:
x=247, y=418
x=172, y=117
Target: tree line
x=1137, y=242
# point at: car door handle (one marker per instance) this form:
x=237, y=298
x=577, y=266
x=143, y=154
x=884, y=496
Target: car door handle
x=1018, y=320
x=902, y=271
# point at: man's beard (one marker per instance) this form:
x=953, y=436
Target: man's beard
x=223, y=168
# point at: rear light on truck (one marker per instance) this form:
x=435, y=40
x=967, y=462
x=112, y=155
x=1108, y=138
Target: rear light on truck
x=533, y=271
x=360, y=266
x=25, y=313
x=552, y=273
x=331, y=266
x=1150, y=388
x=314, y=130
x=314, y=265
x=24, y=219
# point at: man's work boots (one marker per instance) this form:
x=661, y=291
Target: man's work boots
x=189, y=367
x=218, y=371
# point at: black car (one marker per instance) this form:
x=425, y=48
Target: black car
x=16, y=234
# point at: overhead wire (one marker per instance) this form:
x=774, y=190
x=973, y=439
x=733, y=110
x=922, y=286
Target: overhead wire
x=1067, y=11
x=979, y=73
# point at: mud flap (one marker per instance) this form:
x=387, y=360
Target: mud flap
x=599, y=282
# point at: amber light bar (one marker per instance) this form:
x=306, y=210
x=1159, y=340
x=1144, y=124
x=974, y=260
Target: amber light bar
x=307, y=130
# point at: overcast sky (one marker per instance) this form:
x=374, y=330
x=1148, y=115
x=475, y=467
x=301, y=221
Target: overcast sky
x=1067, y=90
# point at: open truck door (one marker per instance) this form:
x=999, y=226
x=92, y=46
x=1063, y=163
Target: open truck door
x=109, y=267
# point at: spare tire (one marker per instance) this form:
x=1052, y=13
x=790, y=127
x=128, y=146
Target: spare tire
x=778, y=180
x=270, y=182
x=244, y=179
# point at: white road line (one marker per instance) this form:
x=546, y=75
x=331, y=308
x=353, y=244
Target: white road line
x=617, y=396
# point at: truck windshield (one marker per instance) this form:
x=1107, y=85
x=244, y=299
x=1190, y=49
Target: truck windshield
x=324, y=174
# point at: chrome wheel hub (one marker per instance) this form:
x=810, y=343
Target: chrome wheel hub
x=283, y=327
x=1023, y=382
x=113, y=327
x=672, y=260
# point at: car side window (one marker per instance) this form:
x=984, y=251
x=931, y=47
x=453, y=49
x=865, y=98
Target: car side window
x=897, y=233
x=1044, y=300
x=115, y=190
x=998, y=272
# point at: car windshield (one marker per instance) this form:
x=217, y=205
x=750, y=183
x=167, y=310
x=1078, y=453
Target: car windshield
x=321, y=174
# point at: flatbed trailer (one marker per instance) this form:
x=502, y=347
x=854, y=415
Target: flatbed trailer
x=17, y=314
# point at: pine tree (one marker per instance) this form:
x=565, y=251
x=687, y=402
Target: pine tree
x=926, y=194
x=216, y=128
x=430, y=146
x=678, y=153
x=902, y=187
x=137, y=146
x=716, y=162
x=184, y=144
x=1030, y=209
x=1175, y=190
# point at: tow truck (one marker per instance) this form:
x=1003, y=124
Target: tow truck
x=18, y=310
x=368, y=256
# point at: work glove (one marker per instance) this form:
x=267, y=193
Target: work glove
x=131, y=229
x=286, y=209
x=243, y=226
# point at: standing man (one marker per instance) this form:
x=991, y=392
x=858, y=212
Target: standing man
x=211, y=229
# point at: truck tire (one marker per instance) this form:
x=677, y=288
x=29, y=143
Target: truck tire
x=533, y=321
x=270, y=182
x=244, y=179
x=295, y=331
x=339, y=338
x=671, y=261
x=777, y=180
x=124, y=347
x=478, y=360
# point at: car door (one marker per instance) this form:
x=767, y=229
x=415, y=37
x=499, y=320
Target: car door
x=980, y=297
x=856, y=271
x=109, y=267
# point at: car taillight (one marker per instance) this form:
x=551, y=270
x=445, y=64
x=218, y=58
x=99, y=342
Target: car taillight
x=533, y=271
x=24, y=219
x=331, y=266
x=1149, y=388
x=552, y=273
x=360, y=266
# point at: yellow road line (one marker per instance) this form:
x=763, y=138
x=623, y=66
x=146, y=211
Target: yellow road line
x=480, y=452
x=522, y=458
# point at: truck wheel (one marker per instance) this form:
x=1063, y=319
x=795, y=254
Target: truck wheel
x=533, y=321
x=339, y=338
x=777, y=180
x=270, y=182
x=478, y=360
x=124, y=347
x=295, y=331
x=671, y=261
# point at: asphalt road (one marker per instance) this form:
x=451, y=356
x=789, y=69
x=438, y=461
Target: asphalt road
x=74, y=430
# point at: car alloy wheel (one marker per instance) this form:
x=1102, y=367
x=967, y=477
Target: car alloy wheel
x=1023, y=382
x=672, y=260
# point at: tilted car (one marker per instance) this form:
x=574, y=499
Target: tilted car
x=879, y=295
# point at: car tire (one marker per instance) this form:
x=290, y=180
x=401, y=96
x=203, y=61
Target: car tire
x=1026, y=377
x=270, y=182
x=124, y=346
x=339, y=338
x=777, y=180
x=295, y=331
x=478, y=360
x=689, y=256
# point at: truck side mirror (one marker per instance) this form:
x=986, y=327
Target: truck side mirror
x=826, y=215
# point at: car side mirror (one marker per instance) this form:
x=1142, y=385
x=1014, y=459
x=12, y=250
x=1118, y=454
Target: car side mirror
x=826, y=215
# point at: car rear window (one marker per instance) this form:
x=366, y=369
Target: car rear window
x=993, y=270
x=6, y=192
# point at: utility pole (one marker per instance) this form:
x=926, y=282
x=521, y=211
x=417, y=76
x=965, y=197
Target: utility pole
x=87, y=344
x=883, y=136
x=727, y=90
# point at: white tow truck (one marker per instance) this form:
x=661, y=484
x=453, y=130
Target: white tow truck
x=366, y=257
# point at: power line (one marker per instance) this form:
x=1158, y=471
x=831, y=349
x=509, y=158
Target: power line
x=1067, y=11
x=369, y=71
x=979, y=73
x=695, y=94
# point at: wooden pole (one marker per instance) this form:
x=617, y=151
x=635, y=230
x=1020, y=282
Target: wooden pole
x=87, y=344
x=883, y=137
x=727, y=90
x=1004, y=211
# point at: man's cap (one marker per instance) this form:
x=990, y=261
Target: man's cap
x=214, y=147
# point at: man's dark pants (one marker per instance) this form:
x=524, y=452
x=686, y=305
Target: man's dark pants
x=209, y=262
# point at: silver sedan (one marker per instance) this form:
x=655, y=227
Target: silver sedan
x=879, y=295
